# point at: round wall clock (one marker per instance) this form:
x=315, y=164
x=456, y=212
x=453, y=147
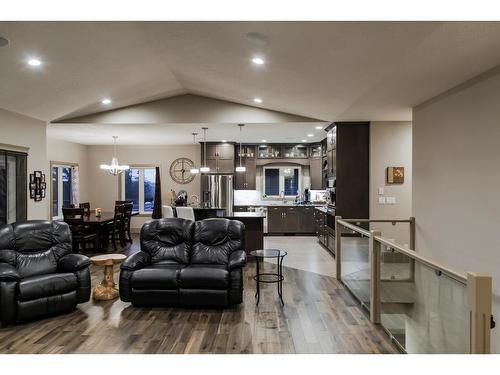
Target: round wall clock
x=180, y=170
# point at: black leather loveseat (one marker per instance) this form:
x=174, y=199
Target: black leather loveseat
x=39, y=275
x=186, y=263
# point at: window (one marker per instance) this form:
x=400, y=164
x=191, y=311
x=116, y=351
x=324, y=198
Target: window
x=282, y=181
x=138, y=186
x=62, y=189
x=13, y=187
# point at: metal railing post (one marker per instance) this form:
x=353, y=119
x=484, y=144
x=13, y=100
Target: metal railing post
x=374, y=259
x=479, y=295
x=338, y=249
x=412, y=247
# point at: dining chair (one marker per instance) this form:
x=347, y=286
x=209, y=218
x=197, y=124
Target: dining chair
x=167, y=212
x=86, y=207
x=185, y=213
x=127, y=218
x=114, y=228
x=80, y=233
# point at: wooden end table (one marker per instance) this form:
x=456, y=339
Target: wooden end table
x=106, y=289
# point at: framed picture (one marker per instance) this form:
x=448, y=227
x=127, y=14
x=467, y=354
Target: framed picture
x=395, y=175
x=37, y=186
x=32, y=193
x=38, y=174
x=32, y=178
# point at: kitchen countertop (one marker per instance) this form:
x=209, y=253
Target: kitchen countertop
x=281, y=205
x=247, y=214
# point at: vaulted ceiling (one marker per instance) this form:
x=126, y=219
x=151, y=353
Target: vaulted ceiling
x=323, y=70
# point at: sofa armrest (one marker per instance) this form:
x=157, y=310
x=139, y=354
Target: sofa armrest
x=8, y=273
x=136, y=261
x=237, y=259
x=73, y=262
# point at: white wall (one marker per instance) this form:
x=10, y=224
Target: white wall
x=104, y=188
x=22, y=131
x=456, y=179
x=391, y=146
x=69, y=152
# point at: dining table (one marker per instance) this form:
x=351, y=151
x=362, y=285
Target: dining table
x=100, y=222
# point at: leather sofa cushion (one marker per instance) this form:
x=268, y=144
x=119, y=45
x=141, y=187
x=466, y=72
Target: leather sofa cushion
x=167, y=240
x=157, y=276
x=40, y=286
x=207, y=276
x=215, y=239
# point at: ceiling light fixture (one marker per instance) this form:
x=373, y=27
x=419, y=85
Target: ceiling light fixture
x=205, y=169
x=263, y=141
x=194, y=170
x=257, y=100
x=319, y=127
x=258, y=61
x=34, y=62
x=304, y=140
x=114, y=168
x=241, y=168
x=106, y=101
x=310, y=135
x=224, y=140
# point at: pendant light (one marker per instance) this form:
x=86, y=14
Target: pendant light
x=205, y=169
x=194, y=170
x=114, y=168
x=241, y=168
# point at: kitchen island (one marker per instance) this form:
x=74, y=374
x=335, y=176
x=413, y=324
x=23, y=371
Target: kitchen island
x=254, y=228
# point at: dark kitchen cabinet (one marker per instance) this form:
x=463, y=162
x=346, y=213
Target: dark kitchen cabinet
x=291, y=222
x=220, y=157
x=306, y=219
x=316, y=173
x=349, y=162
x=246, y=180
x=274, y=220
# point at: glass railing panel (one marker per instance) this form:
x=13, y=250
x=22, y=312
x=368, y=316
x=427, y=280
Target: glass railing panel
x=355, y=266
x=424, y=310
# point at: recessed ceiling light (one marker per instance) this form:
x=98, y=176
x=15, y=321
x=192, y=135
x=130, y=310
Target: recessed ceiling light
x=258, y=61
x=106, y=101
x=224, y=141
x=319, y=127
x=263, y=141
x=257, y=100
x=310, y=135
x=34, y=62
x=304, y=140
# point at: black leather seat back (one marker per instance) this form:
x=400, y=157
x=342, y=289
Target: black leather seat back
x=215, y=239
x=36, y=246
x=167, y=240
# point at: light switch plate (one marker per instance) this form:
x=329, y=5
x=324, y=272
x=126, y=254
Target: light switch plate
x=390, y=200
x=380, y=191
x=381, y=200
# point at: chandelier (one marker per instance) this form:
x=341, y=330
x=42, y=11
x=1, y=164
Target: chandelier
x=114, y=168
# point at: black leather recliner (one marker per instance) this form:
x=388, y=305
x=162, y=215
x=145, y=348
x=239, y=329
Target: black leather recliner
x=39, y=275
x=186, y=263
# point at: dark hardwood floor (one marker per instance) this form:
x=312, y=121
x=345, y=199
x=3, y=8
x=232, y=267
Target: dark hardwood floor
x=319, y=316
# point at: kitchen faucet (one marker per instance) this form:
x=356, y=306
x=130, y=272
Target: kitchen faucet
x=282, y=195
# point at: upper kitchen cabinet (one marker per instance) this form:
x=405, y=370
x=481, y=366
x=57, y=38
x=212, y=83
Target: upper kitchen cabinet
x=331, y=139
x=220, y=157
x=295, y=151
x=246, y=180
x=269, y=152
x=316, y=151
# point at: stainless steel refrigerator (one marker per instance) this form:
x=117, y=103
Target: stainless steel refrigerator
x=217, y=192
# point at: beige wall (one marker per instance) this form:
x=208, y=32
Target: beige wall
x=103, y=187
x=69, y=152
x=22, y=131
x=456, y=180
x=391, y=146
